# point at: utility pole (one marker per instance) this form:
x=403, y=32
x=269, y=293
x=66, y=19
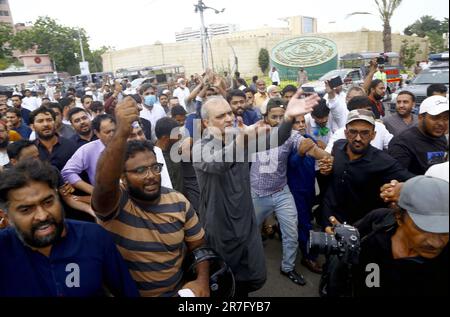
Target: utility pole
x=201, y=7
x=81, y=45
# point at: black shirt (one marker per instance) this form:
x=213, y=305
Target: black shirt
x=417, y=151
x=398, y=277
x=146, y=127
x=354, y=188
x=79, y=142
x=61, y=152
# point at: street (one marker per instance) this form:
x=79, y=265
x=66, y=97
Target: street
x=278, y=285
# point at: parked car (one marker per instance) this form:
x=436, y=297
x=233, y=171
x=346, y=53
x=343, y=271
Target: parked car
x=6, y=90
x=350, y=77
x=419, y=85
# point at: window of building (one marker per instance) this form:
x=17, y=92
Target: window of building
x=2, y=1
x=308, y=25
x=4, y=13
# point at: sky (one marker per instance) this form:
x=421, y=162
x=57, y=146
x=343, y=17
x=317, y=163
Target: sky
x=122, y=24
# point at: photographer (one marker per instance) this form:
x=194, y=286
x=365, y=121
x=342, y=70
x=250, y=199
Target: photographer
x=403, y=252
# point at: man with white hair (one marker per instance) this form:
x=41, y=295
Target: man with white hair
x=226, y=208
x=182, y=92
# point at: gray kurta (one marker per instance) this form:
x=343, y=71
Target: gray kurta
x=228, y=217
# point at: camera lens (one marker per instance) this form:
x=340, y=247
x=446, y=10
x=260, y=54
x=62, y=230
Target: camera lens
x=321, y=243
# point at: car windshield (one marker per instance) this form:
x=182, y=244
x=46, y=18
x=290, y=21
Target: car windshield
x=432, y=77
x=333, y=74
x=135, y=83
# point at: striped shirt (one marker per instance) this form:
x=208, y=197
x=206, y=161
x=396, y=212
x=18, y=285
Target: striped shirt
x=152, y=241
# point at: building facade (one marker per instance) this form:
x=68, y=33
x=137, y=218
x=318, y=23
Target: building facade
x=244, y=47
x=5, y=12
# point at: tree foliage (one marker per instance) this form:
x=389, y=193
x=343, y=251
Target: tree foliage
x=60, y=42
x=427, y=26
x=264, y=60
x=423, y=26
x=6, y=33
x=408, y=53
x=386, y=9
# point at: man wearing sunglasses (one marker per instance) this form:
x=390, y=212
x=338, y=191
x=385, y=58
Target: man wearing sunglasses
x=150, y=224
x=357, y=172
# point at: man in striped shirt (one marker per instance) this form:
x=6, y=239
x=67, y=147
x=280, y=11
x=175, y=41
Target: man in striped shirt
x=150, y=224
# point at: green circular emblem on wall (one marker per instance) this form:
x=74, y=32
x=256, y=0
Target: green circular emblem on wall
x=304, y=51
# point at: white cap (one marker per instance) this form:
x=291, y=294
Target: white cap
x=180, y=80
x=434, y=105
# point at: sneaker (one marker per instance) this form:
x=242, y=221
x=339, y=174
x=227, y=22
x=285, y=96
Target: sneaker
x=294, y=277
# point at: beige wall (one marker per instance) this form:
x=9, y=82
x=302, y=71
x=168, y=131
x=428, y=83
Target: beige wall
x=246, y=45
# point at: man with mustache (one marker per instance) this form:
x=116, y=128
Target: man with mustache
x=226, y=207
x=376, y=90
x=151, y=224
x=45, y=255
x=52, y=147
x=82, y=125
x=403, y=118
x=409, y=244
x=237, y=100
x=418, y=148
x=358, y=171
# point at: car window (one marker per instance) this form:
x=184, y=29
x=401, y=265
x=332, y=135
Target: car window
x=432, y=77
x=355, y=75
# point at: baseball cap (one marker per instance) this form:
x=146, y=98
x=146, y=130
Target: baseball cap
x=425, y=199
x=361, y=114
x=273, y=103
x=434, y=105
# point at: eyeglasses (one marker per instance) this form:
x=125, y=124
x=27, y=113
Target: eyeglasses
x=364, y=134
x=143, y=171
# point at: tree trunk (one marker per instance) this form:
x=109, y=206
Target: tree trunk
x=387, y=36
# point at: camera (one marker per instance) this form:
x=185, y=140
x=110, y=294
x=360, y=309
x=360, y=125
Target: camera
x=382, y=59
x=345, y=243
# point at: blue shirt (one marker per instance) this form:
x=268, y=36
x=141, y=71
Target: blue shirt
x=301, y=173
x=24, y=131
x=79, y=265
x=250, y=117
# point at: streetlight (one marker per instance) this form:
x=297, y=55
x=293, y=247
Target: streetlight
x=201, y=7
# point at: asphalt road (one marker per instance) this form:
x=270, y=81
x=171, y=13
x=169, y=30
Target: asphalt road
x=278, y=285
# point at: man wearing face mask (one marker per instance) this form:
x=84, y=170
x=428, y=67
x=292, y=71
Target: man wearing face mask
x=376, y=90
x=151, y=110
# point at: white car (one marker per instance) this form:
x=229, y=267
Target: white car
x=350, y=77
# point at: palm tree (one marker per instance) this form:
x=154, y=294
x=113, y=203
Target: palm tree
x=386, y=9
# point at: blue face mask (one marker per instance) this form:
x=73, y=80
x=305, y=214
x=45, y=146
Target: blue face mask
x=150, y=100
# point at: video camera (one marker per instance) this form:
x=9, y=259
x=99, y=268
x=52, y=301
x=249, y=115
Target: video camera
x=345, y=243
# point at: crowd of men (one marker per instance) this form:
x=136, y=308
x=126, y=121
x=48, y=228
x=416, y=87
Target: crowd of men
x=105, y=190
